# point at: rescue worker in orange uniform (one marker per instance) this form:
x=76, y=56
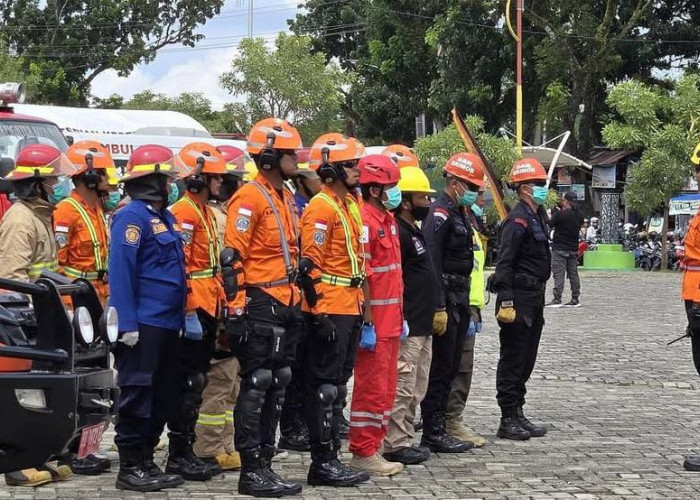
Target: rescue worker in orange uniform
x=331, y=273
x=376, y=373
x=690, y=292
x=205, y=298
x=214, y=430
x=28, y=247
x=264, y=323
x=79, y=220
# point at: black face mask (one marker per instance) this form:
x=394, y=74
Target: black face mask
x=420, y=213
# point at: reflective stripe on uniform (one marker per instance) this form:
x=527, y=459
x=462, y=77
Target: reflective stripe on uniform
x=77, y=273
x=386, y=269
x=229, y=415
x=384, y=302
x=211, y=232
x=96, y=244
x=330, y=279
x=216, y=419
x=37, y=268
x=198, y=275
x=357, y=268
x=692, y=268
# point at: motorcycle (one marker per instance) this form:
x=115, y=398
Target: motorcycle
x=57, y=389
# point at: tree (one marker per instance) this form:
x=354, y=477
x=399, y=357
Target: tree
x=288, y=82
x=64, y=45
x=663, y=125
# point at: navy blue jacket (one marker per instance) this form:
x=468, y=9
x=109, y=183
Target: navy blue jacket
x=147, y=278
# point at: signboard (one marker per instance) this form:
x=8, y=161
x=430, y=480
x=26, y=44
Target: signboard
x=604, y=177
x=580, y=190
x=684, y=205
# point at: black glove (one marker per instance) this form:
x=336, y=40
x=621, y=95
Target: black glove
x=324, y=328
x=236, y=330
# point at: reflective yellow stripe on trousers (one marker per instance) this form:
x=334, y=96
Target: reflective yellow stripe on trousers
x=216, y=419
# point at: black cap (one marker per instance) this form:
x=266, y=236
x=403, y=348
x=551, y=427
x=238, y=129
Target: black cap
x=571, y=196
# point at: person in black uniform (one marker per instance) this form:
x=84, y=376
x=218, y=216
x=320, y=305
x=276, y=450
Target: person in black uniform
x=450, y=239
x=522, y=270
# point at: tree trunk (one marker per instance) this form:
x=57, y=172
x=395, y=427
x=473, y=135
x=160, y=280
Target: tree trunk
x=664, y=238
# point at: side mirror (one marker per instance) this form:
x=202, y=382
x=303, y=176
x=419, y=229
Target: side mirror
x=6, y=165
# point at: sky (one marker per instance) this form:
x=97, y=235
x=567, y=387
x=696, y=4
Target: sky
x=178, y=69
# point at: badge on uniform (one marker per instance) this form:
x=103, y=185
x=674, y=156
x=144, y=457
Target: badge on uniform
x=186, y=237
x=132, y=234
x=365, y=235
x=320, y=233
x=61, y=239
x=393, y=230
x=381, y=232
x=420, y=249
x=157, y=226
x=440, y=216
x=242, y=223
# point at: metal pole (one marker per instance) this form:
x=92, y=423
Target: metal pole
x=556, y=157
x=250, y=18
x=519, y=79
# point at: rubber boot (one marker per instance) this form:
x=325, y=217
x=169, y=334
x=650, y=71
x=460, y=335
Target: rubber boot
x=290, y=488
x=254, y=480
x=133, y=473
x=183, y=461
x=166, y=480
x=437, y=440
x=534, y=429
x=327, y=470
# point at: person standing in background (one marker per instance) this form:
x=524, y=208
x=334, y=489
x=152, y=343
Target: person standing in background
x=566, y=222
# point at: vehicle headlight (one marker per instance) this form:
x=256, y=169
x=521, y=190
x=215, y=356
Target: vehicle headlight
x=109, y=325
x=31, y=399
x=82, y=322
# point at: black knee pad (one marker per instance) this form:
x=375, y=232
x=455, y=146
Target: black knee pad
x=282, y=377
x=260, y=379
x=327, y=393
x=339, y=402
x=195, y=382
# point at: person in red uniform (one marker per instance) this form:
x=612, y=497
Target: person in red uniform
x=376, y=363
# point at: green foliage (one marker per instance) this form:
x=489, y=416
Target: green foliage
x=65, y=45
x=289, y=82
x=662, y=124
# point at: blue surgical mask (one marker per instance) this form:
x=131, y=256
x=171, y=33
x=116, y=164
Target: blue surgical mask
x=61, y=190
x=112, y=200
x=467, y=198
x=174, y=194
x=393, y=198
x=477, y=210
x=539, y=194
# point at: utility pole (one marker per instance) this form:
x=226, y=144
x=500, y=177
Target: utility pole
x=518, y=36
x=250, y=18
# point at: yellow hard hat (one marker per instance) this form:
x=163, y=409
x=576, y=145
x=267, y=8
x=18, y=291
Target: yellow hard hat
x=113, y=176
x=414, y=180
x=695, y=157
x=251, y=171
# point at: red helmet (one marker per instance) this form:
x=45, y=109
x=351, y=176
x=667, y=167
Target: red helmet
x=40, y=160
x=378, y=169
x=152, y=158
x=527, y=170
x=467, y=167
x=235, y=159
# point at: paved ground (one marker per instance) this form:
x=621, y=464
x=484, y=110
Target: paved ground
x=623, y=409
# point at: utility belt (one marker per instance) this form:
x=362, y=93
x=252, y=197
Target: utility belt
x=527, y=282
x=204, y=273
x=354, y=282
x=455, y=282
x=287, y=280
x=100, y=275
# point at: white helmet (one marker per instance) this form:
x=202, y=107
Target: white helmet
x=594, y=220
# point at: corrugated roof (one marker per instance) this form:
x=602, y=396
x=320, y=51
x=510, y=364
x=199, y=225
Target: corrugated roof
x=605, y=156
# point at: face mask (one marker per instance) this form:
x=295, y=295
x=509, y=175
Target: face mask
x=112, y=200
x=477, y=210
x=468, y=198
x=393, y=198
x=420, y=213
x=174, y=193
x=539, y=194
x=61, y=190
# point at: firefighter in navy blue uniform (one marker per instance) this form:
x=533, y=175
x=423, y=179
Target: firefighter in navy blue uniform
x=450, y=238
x=149, y=291
x=522, y=270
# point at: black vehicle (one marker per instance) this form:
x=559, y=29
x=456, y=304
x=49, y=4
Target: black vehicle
x=56, y=391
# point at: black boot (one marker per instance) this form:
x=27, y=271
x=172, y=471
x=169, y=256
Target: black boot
x=166, y=480
x=409, y=455
x=534, y=430
x=254, y=480
x=183, y=461
x=437, y=440
x=327, y=470
x=692, y=463
x=295, y=436
x=92, y=465
x=133, y=474
x=511, y=428
x=344, y=428
x=267, y=452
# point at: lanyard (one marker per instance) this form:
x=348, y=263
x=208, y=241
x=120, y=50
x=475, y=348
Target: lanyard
x=354, y=261
x=211, y=240
x=283, y=237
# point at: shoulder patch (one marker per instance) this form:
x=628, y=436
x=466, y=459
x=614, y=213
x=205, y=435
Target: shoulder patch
x=522, y=222
x=62, y=227
x=61, y=239
x=440, y=216
x=132, y=234
x=242, y=223
x=320, y=237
